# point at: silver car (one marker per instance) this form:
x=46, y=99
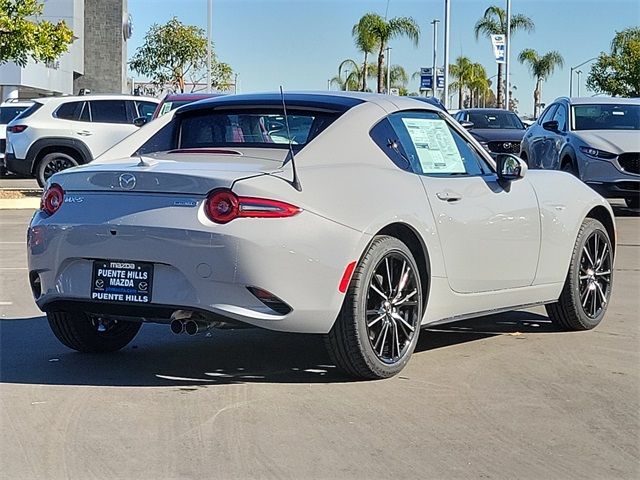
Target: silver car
x=376, y=216
x=595, y=138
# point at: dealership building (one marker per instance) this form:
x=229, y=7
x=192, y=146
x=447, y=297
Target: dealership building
x=96, y=60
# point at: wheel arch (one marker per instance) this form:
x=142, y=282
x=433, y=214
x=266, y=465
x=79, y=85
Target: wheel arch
x=70, y=146
x=410, y=237
x=601, y=214
x=568, y=155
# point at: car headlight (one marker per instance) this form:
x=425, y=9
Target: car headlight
x=595, y=153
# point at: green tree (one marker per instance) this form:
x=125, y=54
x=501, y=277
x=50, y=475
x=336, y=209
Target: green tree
x=385, y=30
x=366, y=43
x=349, y=75
x=618, y=73
x=24, y=36
x=541, y=67
x=494, y=22
x=175, y=52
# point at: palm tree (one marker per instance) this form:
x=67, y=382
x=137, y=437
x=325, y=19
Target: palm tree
x=384, y=30
x=494, y=22
x=349, y=75
x=541, y=67
x=462, y=71
x=366, y=43
x=478, y=84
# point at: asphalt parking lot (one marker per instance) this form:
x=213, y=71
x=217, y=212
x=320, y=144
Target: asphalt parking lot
x=504, y=396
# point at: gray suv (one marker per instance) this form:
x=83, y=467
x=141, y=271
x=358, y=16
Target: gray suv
x=595, y=138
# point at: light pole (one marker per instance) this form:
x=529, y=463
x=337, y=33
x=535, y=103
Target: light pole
x=571, y=74
x=507, y=51
x=435, y=54
x=388, y=70
x=346, y=80
x=328, y=84
x=235, y=83
x=209, y=15
x=579, y=72
x=447, y=21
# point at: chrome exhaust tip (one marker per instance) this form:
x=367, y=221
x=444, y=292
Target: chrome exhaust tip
x=177, y=326
x=191, y=327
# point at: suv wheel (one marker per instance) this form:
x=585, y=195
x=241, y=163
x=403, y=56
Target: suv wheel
x=53, y=163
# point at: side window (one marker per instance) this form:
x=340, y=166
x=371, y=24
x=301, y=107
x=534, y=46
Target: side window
x=146, y=109
x=69, y=111
x=547, y=114
x=384, y=135
x=434, y=147
x=109, y=111
x=561, y=117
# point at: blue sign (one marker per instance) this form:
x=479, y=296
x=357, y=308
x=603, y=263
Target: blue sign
x=426, y=79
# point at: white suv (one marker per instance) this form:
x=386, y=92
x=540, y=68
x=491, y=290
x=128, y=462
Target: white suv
x=56, y=133
x=8, y=111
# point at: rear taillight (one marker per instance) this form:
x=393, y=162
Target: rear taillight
x=52, y=199
x=16, y=128
x=222, y=206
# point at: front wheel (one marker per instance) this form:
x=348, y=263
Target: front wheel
x=587, y=289
x=90, y=333
x=379, y=323
x=53, y=163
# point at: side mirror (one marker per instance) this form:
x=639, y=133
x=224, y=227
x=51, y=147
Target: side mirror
x=466, y=124
x=510, y=167
x=140, y=121
x=551, y=125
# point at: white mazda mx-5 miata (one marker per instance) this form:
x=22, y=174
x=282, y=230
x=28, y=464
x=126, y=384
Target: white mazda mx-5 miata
x=360, y=217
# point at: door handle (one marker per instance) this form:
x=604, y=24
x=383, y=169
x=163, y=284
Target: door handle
x=449, y=196
x=84, y=133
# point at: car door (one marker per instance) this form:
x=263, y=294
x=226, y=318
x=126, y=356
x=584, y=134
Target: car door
x=538, y=139
x=489, y=233
x=556, y=139
x=111, y=121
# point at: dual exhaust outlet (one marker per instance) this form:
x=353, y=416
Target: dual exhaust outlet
x=182, y=322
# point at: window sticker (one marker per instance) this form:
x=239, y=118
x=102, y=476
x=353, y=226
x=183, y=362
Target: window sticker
x=166, y=108
x=436, y=148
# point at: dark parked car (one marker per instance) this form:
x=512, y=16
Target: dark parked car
x=595, y=138
x=431, y=101
x=498, y=131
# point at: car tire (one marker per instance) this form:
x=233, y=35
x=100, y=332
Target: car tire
x=633, y=202
x=569, y=168
x=53, y=163
x=384, y=295
x=587, y=289
x=91, y=334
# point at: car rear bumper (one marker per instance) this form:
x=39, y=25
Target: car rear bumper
x=205, y=270
x=16, y=165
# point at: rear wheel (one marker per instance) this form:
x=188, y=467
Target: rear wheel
x=633, y=202
x=90, y=333
x=587, y=289
x=53, y=163
x=378, y=326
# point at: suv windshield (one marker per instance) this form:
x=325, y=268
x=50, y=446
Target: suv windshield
x=251, y=128
x=606, y=117
x=497, y=120
x=9, y=113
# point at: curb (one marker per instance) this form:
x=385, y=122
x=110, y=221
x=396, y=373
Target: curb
x=19, y=203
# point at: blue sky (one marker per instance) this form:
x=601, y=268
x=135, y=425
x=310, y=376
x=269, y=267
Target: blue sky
x=299, y=43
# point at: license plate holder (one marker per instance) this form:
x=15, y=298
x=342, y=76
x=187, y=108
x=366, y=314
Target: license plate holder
x=121, y=281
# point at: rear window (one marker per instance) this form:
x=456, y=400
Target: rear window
x=109, y=111
x=9, y=113
x=252, y=128
x=33, y=108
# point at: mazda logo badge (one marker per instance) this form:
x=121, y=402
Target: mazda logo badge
x=507, y=145
x=127, y=181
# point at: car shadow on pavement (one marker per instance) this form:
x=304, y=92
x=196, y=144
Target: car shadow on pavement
x=30, y=354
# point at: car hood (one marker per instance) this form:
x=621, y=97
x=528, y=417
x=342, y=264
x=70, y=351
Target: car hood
x=497, y=135
x=613, y=141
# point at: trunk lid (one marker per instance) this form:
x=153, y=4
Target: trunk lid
x=179, y=172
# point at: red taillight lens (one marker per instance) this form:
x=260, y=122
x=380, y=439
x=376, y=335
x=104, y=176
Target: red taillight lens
x=222, y=206
x=52, y=199
x=16, y=128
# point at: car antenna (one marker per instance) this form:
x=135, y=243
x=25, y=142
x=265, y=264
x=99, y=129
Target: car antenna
x=142, y=163
x=295, y=182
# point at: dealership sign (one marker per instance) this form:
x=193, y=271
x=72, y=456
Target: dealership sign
x=498, y=42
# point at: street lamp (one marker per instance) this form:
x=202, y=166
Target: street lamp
x=209, y=14
x=435, y=55
x=447, y=20
x=571, y=74
x=346, y=80
x=235, y=84
x=507, y=61
x=388, y=70
x=579, y=72
x=328, y=84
